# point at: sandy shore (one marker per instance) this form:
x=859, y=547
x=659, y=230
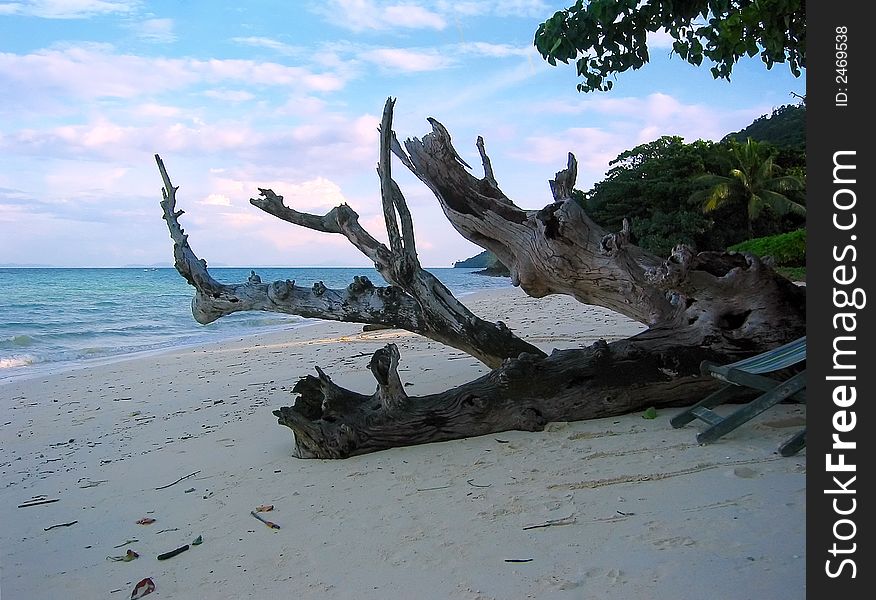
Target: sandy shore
x=633, y=508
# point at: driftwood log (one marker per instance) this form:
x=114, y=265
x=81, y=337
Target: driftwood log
x=697, y=306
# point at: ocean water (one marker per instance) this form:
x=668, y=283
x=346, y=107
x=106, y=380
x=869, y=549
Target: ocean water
x=57, y=319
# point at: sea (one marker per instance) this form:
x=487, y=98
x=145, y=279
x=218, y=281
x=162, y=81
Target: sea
x=53, y=320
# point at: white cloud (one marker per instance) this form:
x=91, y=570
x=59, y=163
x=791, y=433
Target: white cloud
x=363, y=15
x=233, y=96
x=302, y=106
x=408, y=61
x=413, y=17
x=90, y=72
x=659, y=112
x=216, y=200
x=526, y=9
x=68, y=9
x=523, y=8
x=106, y=140
x=494, y=50
x=271, y=44
x=623, y=123
x=79, y=182
x=159, y=31
x=314, y=195
x=155, y=110
x=593, y=148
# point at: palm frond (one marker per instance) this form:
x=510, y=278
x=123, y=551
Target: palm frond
x=786, y=183
x=781, y=203
x=717, y=197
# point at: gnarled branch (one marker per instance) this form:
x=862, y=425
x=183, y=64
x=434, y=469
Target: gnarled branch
x=417, y=301
x=559, y=249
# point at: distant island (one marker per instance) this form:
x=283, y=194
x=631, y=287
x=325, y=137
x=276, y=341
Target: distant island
x=487, y=262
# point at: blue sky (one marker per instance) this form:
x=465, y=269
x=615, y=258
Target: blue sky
x=288, y=95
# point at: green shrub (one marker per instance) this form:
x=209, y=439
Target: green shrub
x=792, y=273
x=787, y=249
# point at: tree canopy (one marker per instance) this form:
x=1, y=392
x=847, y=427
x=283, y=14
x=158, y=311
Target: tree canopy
x=660, y=186
x=649, y=185
x=606, y=37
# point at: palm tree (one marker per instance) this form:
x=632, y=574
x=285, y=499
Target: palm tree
x=756, y=181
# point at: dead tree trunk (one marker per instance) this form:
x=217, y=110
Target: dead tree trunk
x=525, y=394
x=713, y=306
x=730, y=302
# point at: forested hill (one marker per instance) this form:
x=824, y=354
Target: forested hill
x=785, y=127
x=481, y=261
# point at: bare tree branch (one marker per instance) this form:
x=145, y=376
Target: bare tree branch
x=485, y=160
x=417, y=301
x=384, y=170
x=564, y=181
x=360, y=302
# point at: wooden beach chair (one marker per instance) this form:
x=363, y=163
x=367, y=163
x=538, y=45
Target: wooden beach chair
x=749, y=373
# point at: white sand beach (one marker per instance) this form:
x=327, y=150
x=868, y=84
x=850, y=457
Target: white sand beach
x=618, y=508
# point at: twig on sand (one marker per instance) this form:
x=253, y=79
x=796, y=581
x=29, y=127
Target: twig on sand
x=517, y=560
x=60, y=525
x=90, y=483
x=469, y=481
x=429, y=489
x=166, y=530
x=173, y=553
x=270, y=524
x=564, y=521
x=178, y=480
x=37, y=502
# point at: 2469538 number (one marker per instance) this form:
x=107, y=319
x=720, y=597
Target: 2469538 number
x=841, y=65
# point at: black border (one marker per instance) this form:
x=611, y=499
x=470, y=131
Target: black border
x=831, y=128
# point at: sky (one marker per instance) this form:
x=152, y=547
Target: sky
x=288, y=95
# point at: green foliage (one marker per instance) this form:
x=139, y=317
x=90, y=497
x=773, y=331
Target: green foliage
x=487, y=261
x=650, y=185
x=655, y=185
x=661, y=232
x=792, y=273
x=481, y=261
x=610, y=36
x=755, y=181
x=785, y=127
x=787, y=249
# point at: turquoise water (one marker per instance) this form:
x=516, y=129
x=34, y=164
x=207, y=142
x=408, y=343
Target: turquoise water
x=55, y=319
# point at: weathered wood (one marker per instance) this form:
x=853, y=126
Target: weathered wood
x=525, y=393
x=699, y=306
x=733, y=301
x=416, y=301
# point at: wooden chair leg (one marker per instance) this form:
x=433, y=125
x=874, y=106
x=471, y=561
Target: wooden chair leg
x=753, y=408
x=793, y=445
x=714, y=399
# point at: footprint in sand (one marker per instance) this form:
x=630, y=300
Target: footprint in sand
x=674, y=542
x=612, y=575
x=745, y=472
